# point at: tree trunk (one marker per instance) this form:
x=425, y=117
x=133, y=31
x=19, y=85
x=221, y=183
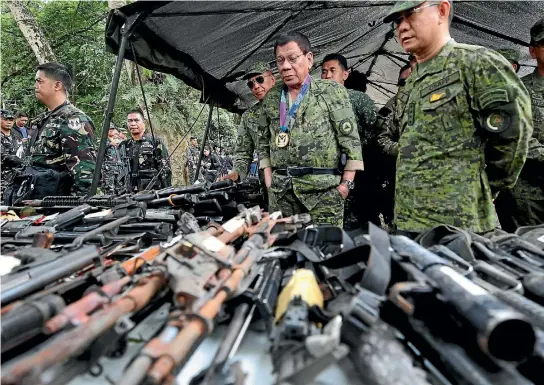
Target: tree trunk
x=31, y=31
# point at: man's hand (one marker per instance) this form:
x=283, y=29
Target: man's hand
x=268, y=177
x=343, y=190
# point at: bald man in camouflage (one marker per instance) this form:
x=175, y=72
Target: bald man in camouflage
x=465, y=122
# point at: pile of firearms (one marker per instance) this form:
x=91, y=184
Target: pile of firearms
x=144, y=290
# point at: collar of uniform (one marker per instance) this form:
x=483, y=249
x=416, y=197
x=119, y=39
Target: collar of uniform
x=437, y=63
x=537, y=77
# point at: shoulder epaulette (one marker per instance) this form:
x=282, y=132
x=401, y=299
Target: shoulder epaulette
x=468, y=47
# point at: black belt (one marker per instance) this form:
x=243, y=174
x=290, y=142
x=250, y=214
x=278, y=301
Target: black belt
x=301, y=171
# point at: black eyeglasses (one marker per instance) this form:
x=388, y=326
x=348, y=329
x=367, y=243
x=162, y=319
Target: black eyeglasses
x=258, y=79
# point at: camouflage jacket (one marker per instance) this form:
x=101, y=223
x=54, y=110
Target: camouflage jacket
x=65, y=142
x=530, y=184
x=192, y=154
x=387, y=134
x=115, y=171
x=246, y=140
x=465, y=123
x=365, y=113
x=324, y=127
x=535, y=85
x=9, y=159
x=146, y=159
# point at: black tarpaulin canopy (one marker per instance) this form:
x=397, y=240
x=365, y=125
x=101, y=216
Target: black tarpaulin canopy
x=208, y=44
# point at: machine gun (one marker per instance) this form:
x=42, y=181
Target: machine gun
x=469, y=334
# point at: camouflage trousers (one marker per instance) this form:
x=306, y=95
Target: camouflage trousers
x=328, y=211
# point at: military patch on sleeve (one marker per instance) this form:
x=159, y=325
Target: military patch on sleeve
x=74, y=123
x=493, y=96
x=346, y=127
x=497, y=121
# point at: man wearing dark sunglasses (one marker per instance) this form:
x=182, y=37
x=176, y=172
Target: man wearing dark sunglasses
x=259, y=80
x=465, y=123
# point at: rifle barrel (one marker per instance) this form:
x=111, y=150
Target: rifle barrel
x=501, y=331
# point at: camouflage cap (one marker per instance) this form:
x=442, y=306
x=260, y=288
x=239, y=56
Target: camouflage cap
x=537, y=31
x=400, y=6
x=256, y=69
x=510, y=54
x=6, y=114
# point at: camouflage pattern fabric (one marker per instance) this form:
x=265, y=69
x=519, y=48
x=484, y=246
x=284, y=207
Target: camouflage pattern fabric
x=401, y=6
x=387, y=134
x=246, y=140
x=365, y=113
x=465, y=123
x=146, y=159
x=535, y=85
x=65, y=142
x=323, y=128
x=357, y=201
x=115, y=171
x=10, y=161
x=192, y=154
x=524, y=204
x=387, y=142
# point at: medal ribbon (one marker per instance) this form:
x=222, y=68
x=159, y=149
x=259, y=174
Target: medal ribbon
x=284, y=117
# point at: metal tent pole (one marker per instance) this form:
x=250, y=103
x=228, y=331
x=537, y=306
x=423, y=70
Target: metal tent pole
x=204, y=139
x=126, y=32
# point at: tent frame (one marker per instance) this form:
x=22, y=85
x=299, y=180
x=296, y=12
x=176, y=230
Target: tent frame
x=127, y=32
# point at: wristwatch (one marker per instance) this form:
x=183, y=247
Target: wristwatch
x=349, y=183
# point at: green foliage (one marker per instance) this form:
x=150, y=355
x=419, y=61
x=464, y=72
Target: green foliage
x=75, y=31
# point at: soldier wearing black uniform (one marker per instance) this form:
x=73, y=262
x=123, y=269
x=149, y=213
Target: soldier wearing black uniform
x=146, y=156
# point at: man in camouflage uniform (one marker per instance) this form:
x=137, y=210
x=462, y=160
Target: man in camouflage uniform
x=464, y=120
x=524, y=204
x=259, y=80
x=301, y=147
x=191, y=154
x=512, y=55
x=115, y=171
x=62, y=154
x=359, y=206
x=146, y=156
x=387, y=141
x=8, y=150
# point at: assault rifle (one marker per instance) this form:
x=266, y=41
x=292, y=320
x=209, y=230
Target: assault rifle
x=200, y=300
x=223, y=263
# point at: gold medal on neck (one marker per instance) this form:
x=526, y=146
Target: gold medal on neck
x=282, y=140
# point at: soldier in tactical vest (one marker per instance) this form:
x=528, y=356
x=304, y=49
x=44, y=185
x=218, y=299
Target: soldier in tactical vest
x=62, y=155
x=8, y=150
x=465, y=122
x=115, y=171
x=146, y=156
